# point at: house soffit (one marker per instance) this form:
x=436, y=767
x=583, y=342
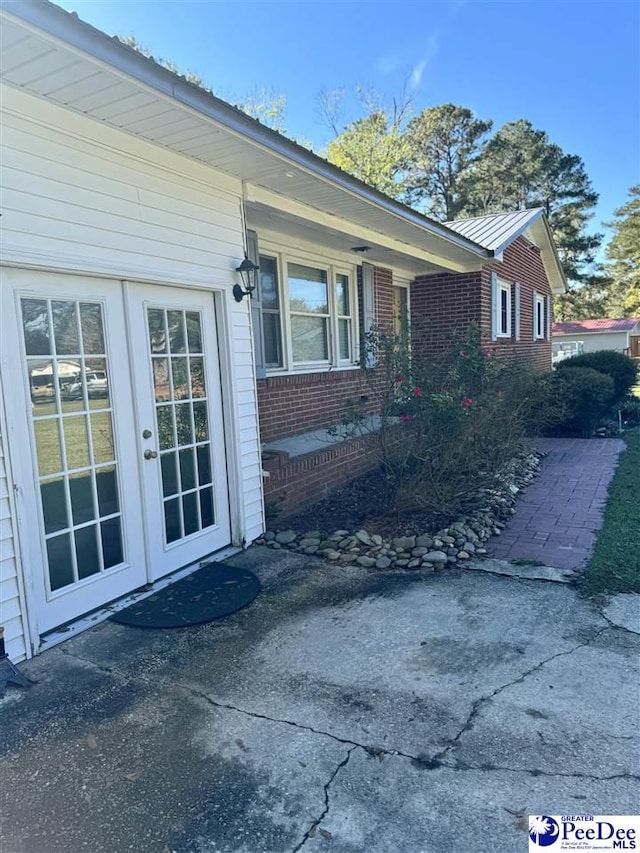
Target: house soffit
x=141, y=99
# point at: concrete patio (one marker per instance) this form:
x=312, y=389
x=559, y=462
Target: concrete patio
x=341, y=711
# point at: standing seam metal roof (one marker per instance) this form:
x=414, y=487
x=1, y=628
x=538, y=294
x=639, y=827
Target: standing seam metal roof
x=496, y=230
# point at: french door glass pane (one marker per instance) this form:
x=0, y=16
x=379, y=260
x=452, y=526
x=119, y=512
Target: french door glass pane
x=182, y=419
x=72, y=424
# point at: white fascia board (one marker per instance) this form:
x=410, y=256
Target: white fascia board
x=283, y=204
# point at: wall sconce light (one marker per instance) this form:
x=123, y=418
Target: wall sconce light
x=249, y=275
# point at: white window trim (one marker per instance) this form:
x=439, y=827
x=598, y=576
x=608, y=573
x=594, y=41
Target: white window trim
x=503, y=287
x=332, y=267
x=517, y=309
x=539, y=316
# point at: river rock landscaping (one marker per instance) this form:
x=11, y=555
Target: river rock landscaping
x=345, y=529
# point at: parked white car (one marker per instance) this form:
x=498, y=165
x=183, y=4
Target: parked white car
x=97, y=386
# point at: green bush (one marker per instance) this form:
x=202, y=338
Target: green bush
x=447, y=427
x=618, y=366
x=578, y=400
x=630, y=411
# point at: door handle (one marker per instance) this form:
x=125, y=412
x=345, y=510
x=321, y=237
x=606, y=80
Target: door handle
x=150, y=454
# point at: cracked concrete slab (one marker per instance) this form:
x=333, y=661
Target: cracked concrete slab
x=526, y=570
x=401, y=668
x=164, y=770
x=341, y=705
x=575, y=714
x=623, y=611
x=393, y=804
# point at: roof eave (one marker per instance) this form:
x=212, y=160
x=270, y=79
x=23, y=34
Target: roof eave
x=552, y=262
x=71, y=31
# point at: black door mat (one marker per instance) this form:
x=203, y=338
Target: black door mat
x=212, y=592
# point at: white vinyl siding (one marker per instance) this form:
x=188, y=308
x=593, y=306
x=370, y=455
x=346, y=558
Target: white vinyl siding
x=10, y=599
x=85, y=197
x=82, y=197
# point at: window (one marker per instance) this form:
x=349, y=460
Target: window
x=307, y=313
x=400, y=313
x=538, y=316
x=504, y=310
x=343, y=307
x=270, y=297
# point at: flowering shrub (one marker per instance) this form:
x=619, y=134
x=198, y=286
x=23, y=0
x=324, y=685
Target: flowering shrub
x=446, y=427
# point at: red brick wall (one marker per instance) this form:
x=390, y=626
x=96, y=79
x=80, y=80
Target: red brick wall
x=522, y=262
x=446, y=304
x=443, y=305
x=302, y=402
x=296, y=483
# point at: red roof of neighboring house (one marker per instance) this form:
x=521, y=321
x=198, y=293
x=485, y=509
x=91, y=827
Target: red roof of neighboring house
x=625, y=324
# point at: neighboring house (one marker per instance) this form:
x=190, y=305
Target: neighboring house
x=577, y=336
x=137, y=392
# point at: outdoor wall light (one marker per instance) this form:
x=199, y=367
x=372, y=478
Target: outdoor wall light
x=361, y=250
x=249, y=275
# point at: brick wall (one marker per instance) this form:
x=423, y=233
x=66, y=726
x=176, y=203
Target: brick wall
x=447, y=303
x=441, y=306
x=293, y=484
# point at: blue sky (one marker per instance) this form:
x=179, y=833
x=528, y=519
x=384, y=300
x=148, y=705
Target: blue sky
x=571, y=67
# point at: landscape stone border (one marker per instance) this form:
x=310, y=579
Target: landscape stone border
x=430, y=551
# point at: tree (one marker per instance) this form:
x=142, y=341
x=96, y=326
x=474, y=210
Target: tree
x=372, y=148
x=444, y=142
x=264, y=104
x=588, y=301
x=189, y=76
x=520, y=168
x=623, y=253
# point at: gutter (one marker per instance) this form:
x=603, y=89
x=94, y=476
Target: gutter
x=71, y=31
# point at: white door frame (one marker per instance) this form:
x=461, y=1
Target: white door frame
x=25, y=499
x=53, y=609
x=162, y=558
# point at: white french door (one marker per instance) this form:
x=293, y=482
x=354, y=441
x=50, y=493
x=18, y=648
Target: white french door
x=117, y=441
x=180, y=424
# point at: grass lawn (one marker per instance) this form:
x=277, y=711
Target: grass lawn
x=615, y=564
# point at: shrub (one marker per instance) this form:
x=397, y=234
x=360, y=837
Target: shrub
x=578, y=400
x=630, y=411
x=447, y=427
x=618, y=366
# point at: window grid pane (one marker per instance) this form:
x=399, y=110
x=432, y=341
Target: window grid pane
x=182, y=418
x=72, y=422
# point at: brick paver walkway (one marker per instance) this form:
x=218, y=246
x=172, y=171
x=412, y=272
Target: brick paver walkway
x=557, y=516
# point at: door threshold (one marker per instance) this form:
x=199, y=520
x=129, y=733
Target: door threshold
x=83, y=623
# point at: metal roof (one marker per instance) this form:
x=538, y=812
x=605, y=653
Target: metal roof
x=624, y=324
x=496, y=231
x=52, y=54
